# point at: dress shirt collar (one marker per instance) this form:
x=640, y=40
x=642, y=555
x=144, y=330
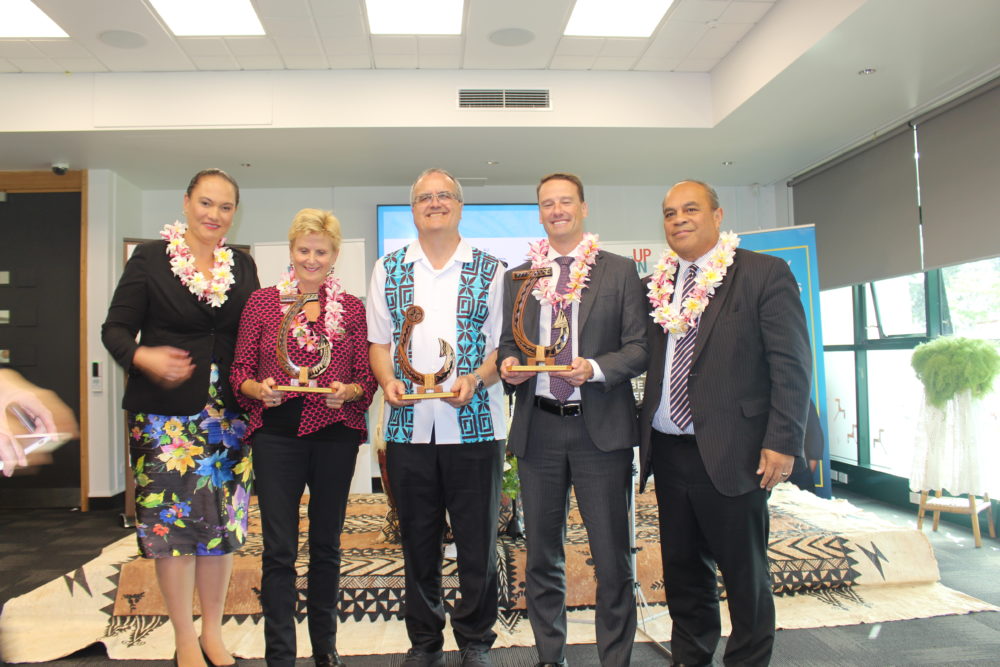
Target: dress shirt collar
x=415, y=253
x=702, y=262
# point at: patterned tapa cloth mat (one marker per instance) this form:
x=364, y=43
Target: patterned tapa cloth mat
x=830, y=564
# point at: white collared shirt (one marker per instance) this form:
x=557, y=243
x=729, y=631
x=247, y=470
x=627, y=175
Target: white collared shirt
x=436, y=291
x=661, y=418
x=545, y=333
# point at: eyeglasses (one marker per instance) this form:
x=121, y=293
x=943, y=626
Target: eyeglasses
x=443, y=196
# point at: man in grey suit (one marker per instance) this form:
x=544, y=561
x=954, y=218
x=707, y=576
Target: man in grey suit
x=724, y=415
x=577, y=427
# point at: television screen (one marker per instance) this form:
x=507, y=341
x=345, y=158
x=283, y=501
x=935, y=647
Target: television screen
x=503, y=230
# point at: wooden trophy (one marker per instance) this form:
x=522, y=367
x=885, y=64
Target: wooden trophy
x=428, y=384
x=303, y=377
x=541, y=358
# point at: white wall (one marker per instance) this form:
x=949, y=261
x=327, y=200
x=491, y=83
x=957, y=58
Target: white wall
x=117, y=209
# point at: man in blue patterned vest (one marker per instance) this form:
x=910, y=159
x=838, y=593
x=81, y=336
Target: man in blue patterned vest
x=443, y=453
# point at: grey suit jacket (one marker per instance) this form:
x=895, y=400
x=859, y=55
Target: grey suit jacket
x=612, y=331
x=750, y=375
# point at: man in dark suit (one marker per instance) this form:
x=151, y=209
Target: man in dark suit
x=722, y=419
x=577, y=427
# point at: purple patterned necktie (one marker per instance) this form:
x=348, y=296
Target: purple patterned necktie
x=559, y=387
x=680, y=406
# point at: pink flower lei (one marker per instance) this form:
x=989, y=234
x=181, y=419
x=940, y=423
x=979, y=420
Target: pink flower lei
x=214, y=291
x=584, y=255
x=332, y=314
x=677, y=320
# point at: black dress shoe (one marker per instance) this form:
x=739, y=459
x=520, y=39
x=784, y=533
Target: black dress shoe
x=562, y=663
x=329, y=660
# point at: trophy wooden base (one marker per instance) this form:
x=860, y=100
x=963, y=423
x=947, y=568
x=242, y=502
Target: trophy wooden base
x=305, y=389
x=542, y=368
x=429, y=394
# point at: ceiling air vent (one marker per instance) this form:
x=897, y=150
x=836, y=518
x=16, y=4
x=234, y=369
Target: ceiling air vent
x=499, y=98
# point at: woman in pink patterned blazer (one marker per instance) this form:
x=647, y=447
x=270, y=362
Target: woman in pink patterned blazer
x=304, y=438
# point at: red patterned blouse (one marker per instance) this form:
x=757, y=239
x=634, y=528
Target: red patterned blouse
x=257, y=359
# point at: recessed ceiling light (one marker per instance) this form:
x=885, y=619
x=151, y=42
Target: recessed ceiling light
x=616, y=18
x=866, y=71
x=727, y=163
x=492, y=163
x=406, y=17
x=512, y=37
x=22, y=19
x=197, y=18
x=122, y=39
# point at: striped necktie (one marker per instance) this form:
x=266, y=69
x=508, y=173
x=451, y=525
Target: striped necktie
x=680, y=406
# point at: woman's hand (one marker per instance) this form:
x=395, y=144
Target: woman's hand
x=342, y=393
x=167, y=366
x=267, y=395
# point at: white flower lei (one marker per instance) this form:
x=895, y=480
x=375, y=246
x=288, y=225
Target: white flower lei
x=585, y=254
x=679, y=319
x=332, y=314
x=214, y=291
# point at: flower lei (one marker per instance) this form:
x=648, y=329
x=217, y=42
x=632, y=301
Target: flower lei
x=333, y=311
x=214, y=291
x=585, y=254
x=679, y=319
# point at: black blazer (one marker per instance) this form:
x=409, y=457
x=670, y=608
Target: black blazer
x=151, y=300
x=750, y=375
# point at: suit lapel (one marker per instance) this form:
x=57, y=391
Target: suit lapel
x=590, y=292
x=715, y=306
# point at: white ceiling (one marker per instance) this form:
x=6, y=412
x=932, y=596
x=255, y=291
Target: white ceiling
x=783, y=96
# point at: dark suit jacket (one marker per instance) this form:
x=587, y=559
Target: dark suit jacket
x=612, y=323
x=150, y=299
x=750, y=375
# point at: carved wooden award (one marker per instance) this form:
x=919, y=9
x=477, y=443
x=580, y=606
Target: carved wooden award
x=303, y=377
x=428, y=384
x=541, y=358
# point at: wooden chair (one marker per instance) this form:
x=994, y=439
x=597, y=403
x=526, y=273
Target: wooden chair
x=957, y=505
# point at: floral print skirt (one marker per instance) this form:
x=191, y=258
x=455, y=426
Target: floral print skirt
x=193, y=479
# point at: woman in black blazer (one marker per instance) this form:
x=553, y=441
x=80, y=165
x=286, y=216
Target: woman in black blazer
x=183, y=296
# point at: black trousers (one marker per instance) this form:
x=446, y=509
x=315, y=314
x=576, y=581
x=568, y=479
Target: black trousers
x=283, y=467
x=426, y=480
x=560, y=454
x=699, y=528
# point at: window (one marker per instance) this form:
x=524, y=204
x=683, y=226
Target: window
x=972, y=295
x=897, y=307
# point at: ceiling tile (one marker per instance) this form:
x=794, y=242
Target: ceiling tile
x=328, y=8
x=306, y=61
x=698, y=10
x=697, y=65
x=614, y=63
x=290, y=28
x=346, y=45
x=572, y=62
x=61, y=48
x=439, y=44
x=544, y=20
x=663, y=64
x=731, y=32
x=674, y=41
x=7, y=66
x=81, y=65
x=745, y=12
x=396, y=60
x=215, y=63
x=394, y=44
x=580, y=46
x=35, y=65
x=342, y=24
x=351, y=61
x=203, y=46
x=283, y=8
x=261, y=62
x=440, y=61
x=20, y=48
x=251, y=46
x=618, y=46
x=301, y=46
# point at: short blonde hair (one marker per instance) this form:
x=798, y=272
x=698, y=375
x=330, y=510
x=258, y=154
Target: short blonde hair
x=315, y=221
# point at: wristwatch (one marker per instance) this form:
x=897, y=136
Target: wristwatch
x=479, y=380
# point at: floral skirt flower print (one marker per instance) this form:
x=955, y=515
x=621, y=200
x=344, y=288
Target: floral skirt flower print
x=193, y=480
